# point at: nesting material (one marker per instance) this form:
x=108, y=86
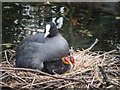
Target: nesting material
x=93, y=70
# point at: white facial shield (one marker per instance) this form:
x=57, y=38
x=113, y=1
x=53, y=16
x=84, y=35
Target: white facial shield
x=47, y=30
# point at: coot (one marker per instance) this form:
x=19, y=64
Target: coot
x=39, y=48
x=60, y=66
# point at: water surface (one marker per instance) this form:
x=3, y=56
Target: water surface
x=79, y=23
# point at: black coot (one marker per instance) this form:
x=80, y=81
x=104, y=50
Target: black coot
x=60, y=66
x=39, y=48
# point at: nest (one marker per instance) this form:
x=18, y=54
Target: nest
x=93, y=70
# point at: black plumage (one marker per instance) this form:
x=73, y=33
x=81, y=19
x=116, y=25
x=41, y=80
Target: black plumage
x=59, y=66
x=39, y=48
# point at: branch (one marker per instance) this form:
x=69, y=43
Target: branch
x=105, y=78
x=7, y=58
x=106, y=53
x=88, y=49
x=116, y=84
x=93, y=44
x=37, y=71
x=41, y=83
x=63, y=86
x=5, y=85
x=91, y=86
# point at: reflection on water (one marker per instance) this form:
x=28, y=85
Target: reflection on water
x=79, y=23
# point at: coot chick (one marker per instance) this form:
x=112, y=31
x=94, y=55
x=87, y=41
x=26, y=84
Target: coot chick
x=60, y=66
x=39, y=48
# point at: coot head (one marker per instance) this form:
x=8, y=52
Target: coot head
x=68, y=60
x=51, y=30
x=60, y=66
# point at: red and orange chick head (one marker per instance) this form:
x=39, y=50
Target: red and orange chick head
x=68, y=60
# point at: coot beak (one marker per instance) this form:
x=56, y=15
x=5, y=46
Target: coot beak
x=47, y=30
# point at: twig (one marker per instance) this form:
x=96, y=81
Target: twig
x=91, y=86
x=79, y=72
x=93, y=44
x=3, y=74
x=2, y=52
x=88, y=49
x=48, y=86
x=110, y=71
x=113, y=62
x=102, y=62
x=10, y=59
x=33, y=81
x=92, y=74
x=7, y=58
x=37, y=71
x=67, y=85
x=6, y=85
x=115, y=80
x=106, y=53
x=105, y=78
x=93, y=78
x=111, y=86
x=112, y=83
x=41, y=83
x=18, y=78
x=9, y=50
x=4, y=70
x=4, y=77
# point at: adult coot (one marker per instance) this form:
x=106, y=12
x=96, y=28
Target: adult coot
x=39, y=48
x=60, y=66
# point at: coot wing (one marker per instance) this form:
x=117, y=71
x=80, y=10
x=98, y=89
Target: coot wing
x=38, y=38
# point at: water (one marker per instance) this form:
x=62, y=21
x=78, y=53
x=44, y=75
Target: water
x=79, y=23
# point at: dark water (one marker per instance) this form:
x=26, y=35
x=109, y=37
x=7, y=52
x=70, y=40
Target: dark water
x=79, y=23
